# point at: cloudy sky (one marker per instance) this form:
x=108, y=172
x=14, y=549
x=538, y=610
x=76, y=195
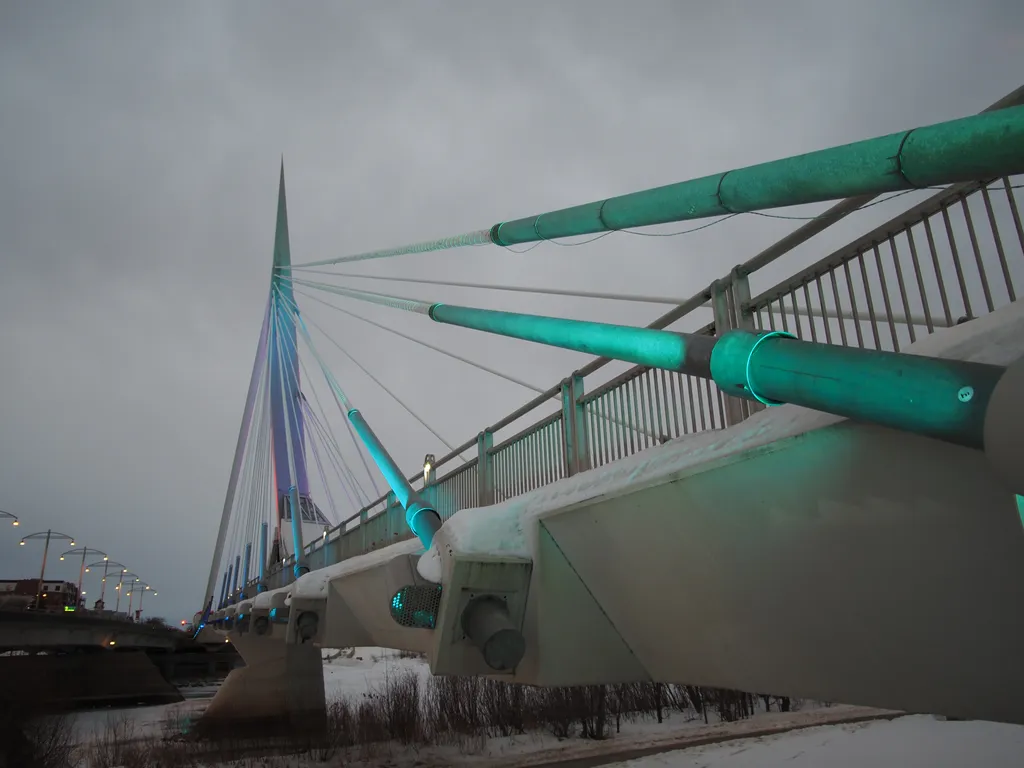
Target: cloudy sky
x=140, y=145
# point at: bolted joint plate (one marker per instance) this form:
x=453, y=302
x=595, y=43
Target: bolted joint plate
x=306, y=620
x=470, y=578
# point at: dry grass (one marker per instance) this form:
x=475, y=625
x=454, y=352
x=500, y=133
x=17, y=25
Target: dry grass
x=408, y=712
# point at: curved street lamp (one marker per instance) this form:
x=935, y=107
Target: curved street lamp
x=131, y=593
x=85, y=551
x=8, y=516
x=47, y=535
x=132, y=578
x=107, y=564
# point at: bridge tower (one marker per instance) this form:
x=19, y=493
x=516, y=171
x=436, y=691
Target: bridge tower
x=281, y=688
x=291, y=482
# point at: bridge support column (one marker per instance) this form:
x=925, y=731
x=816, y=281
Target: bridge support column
x=279, y=691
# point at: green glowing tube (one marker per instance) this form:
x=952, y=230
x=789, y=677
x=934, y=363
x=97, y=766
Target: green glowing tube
x=422, y=519
x=660, y=349
x=945, y=399
x=982, y=146
x=978, y=147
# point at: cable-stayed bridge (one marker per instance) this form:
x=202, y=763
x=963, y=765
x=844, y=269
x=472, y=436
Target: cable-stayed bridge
x=812, y=493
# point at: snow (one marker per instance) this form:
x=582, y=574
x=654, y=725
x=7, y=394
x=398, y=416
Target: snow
x=908, y=742
x=367, y=669
x=508, y=527
x=313, y=585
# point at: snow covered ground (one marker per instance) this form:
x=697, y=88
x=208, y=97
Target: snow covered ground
x=906, y=742
x=681, y=741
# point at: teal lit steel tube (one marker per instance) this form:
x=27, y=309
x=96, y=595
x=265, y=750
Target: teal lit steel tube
x=299, y=567
x=944, y=399
x=245, y=565
x=644, y=346
x=262, y=569
x=422, y=519
x=977, y=147
x=987, y=145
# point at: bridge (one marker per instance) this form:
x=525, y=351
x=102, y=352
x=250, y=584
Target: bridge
x=808, y=487
x=35, y=631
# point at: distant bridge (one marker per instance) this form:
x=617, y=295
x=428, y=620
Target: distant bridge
x=35, y=631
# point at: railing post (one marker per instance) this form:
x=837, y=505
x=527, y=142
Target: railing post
x=574, y=426
x=430, y=487
x=485, y=467
x=723, y=304
x=744, y=320
x=391, y=529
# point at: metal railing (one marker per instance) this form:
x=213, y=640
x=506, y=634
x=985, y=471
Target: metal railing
x=955, y=256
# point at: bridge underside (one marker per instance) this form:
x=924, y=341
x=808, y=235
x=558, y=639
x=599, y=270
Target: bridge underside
x=796, y=553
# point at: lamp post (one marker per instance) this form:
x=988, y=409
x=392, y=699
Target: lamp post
x=85, y=551
x=107, y=563
x=131, y=593
x=120, y=583
x=46, y=535
x=8, y=516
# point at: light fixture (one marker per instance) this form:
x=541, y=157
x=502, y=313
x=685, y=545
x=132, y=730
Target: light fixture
x=428, y=464
x=72, y=543
x=113, y=642
x=22, y=542
x=62, y=557
x=105, y=558
x=86, y=570
x=15, y=523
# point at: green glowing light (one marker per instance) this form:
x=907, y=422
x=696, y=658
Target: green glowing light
x=416, y=606
x=660, y=349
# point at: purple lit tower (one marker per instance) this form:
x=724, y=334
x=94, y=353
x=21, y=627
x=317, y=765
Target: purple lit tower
x=286, y=400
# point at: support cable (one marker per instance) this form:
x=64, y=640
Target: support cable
x=342, y=401
x=990, y=144
x=605, y=296
x=597, y=409
x=296, y=513
x=299, y=398
x=331, y=442
x=344, y=485
x=379, y=383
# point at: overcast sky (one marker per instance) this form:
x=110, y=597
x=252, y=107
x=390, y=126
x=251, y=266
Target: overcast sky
x=140, y=145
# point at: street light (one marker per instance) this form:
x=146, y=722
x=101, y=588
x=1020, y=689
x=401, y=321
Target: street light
x=120, y=582
x=131, y=593
x=86, y=551
x=107, y=563
x=428, y=467
x=47, y=535
x=8, y=516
